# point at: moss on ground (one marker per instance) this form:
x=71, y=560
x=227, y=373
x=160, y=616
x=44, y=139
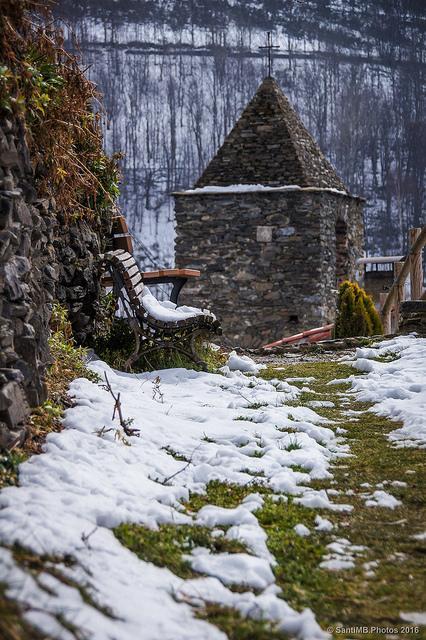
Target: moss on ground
x=167, y=546
x=238, y=628
x=349, y=597
x=221, y=494
x=297, y=571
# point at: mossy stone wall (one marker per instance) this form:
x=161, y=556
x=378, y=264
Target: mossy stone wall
x=43, y=257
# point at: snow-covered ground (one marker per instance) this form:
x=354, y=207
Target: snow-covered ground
x=227, y=427
x=396, y=387
x=85, y=484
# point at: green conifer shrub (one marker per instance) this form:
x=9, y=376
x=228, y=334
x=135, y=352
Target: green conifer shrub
x=356, y=313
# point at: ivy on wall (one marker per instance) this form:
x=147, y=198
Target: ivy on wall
x=44, y=86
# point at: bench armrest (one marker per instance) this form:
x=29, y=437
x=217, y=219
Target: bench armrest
x=170, y=273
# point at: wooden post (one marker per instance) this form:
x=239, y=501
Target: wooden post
x=403, y=271
x=386, y=319
x=399, y=295
x=387, y=323
x=416, y=267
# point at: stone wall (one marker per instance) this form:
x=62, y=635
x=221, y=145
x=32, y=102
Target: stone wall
x=42, y=258
x=268, y=258
x=412, y=317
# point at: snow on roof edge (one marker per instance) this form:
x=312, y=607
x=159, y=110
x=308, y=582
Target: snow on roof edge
x=245, y=188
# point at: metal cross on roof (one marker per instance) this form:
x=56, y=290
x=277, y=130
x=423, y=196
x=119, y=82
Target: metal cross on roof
x=269, y=48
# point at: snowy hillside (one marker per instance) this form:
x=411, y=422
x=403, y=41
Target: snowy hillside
x=175, y=77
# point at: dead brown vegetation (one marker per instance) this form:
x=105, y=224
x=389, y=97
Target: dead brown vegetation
x=43, y=86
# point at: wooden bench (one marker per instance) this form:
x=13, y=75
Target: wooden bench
x=176, y=277
x=152, y=334
x=122, y=239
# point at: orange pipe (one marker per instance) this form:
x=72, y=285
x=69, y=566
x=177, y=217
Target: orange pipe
x=319, y=333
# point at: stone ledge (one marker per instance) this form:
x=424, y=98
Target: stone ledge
x=339, y=344
x=413, y=306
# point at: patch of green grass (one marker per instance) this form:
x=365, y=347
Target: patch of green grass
x=256, y=474
x=238, y=628
x=293, y=445
x=164, y=359
x=257, y=405
x=298, y=557
x=172, y=359
x=9, y=463
x=350, y=598
x=386, y=533
x=224, y=494
x=175, y=454
x=166, y=546
x=323, y=372
x=389, y=356
x=257, y=453
x=287, y=429
x=45, y=419
x=68, y=359
x=299, y=468
x=245, y=418
x=214, y=358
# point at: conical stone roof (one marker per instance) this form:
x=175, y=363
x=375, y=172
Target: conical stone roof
x=269, y=145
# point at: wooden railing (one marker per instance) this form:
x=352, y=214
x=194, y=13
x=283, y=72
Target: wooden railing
x=412, y=266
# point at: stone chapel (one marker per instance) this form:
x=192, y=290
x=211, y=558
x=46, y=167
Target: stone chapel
x=271, y=226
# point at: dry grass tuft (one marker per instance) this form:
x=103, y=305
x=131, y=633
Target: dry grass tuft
x=43, y=86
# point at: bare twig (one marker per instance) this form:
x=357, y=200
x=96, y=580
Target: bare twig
x=86, y=536
x=240, y=393
x=166, y=480
x=101, y=432
x=157, y=394
x=124, y=423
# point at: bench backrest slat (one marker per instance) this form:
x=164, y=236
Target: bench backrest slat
x=130, y=275
x=132, y=271
x=128, y=263
x=134, y=280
